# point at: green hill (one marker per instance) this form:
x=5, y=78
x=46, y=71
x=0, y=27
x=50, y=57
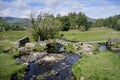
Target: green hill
x=18, y=21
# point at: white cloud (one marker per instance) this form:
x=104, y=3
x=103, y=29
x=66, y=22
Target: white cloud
x=52, y=3
x=103, y=11
x=3, y=5
x=92, y=8
x=19, y=4
x=77, y=5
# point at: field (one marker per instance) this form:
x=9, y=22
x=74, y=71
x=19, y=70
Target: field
x=97, y=34
x=8, y=65
x=102, y=66
x=13, y=35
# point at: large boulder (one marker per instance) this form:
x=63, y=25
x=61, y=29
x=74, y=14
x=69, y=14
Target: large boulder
x=113, y=44
x=113, y=41
x=55, y=48
x=24, y=51
x=51, y=58
x=23, y=41
x=30, y=45
x=33, y=56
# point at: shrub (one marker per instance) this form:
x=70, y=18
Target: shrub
x=44, y=28
x=82, y=28
x=70, y=48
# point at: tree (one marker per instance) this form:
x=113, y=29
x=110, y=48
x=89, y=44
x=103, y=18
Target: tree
x=73, y=20
x=44, y=27
x=65, y=23
x=112, y=22
x=82, y=28
x=99, y=23
x=82, y=21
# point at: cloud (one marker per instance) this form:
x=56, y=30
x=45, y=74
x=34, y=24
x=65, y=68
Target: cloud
x=52, y=3
x=92, y=8
x=19, y=4
x=77, y=6
x=3, y=5
x=101, y=11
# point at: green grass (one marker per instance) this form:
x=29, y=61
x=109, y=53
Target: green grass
x=70, y=48
x=118, y=21
x=102, y=66
x=39, y=48
x=9, y=66
x=91, y=35
x=13, y=35
x=5, y=46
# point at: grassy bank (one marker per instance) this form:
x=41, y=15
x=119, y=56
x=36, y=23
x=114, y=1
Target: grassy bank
x=91, y=35
x=13, y=35
x=102, y=66
x=9, y=66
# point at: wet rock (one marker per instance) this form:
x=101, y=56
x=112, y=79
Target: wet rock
x=34, y=56
x=34, y=76
x=113, y=44
x=23, y=59
x=23, y=41
x=86, y=49
x=24, y=51
x=53, y=72
x=55, y=48
x=31, y=78
x=52, y=58
x=56, y=71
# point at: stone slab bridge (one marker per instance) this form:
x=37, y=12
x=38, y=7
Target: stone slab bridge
x=65, y=42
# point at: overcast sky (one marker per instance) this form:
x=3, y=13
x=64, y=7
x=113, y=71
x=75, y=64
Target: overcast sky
x=92, y=8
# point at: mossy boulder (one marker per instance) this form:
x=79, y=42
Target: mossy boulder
x=55, y=48
x=113, y=44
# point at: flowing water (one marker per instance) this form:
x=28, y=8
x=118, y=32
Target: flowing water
x=62, y=69
x=102, y=47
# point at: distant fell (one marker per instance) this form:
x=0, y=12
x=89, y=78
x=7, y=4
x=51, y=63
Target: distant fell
x=91, y=19
x=18, y=21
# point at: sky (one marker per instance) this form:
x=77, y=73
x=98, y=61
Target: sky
x=92, y=8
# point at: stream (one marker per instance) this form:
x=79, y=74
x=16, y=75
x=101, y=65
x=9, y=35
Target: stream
x=62, y=69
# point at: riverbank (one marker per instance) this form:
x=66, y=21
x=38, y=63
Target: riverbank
x=9, y=67
x=102, y=66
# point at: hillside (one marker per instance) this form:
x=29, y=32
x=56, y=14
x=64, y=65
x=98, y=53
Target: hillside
x=17, y=21
x=26, y=22
x=91, y=19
